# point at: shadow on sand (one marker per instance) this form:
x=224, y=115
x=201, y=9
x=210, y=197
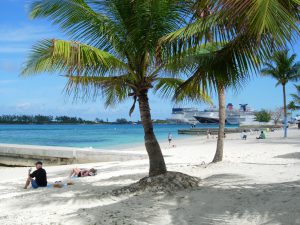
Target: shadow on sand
x=293, y=155
x=221, y=199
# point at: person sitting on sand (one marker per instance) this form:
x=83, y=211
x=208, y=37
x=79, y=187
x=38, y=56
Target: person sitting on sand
x=83, y=172
x=262, y=135
x=244, y=135
x=38, y=178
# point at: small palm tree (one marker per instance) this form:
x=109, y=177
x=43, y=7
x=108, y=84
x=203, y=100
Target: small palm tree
x=295, y=104
x=296, y=97
x=120, y=57
x=292, y=107
x=284, y=69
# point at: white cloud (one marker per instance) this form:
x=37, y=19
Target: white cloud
x=19, y=39
x=13, y=49
x=23, y=106
x=7, y=81
x=24, y=33
x=9, y=66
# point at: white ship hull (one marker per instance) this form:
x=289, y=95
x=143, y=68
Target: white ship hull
x=211, y=116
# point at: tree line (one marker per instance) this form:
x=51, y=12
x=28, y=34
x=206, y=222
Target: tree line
x=41, y=119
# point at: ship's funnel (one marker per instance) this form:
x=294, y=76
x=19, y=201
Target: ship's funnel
x=229, y=106
x=243, y=107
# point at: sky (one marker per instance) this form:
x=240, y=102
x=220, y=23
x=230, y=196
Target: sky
x=43, y=94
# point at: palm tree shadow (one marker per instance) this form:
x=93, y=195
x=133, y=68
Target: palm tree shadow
x=275, y=140
x=276, y=203
x=293, y=155
x=221, y=199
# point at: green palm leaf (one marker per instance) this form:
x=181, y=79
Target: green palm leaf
x=114, y=89
x=168, y=87
x=80, y=21
x=70, y=57
x=282, y=67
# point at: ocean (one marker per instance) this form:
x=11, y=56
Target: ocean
x=84, y=136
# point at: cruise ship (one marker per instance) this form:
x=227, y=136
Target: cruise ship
x=243, y=116
x=184, y=115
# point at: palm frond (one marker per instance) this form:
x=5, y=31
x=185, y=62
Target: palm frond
x=282, y=67
x=69, y=57
x=253, y=32
x=168, y=87
x=113, y=89
x=80, y=21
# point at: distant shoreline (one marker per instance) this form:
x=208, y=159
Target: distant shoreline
x=109, y=123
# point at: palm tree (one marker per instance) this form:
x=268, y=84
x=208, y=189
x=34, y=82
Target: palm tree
x=295, y=104
x=292, y=107
x=215, y=69
x=284, y=69
x=248, y=31
x=296, y=97
x=119, y=58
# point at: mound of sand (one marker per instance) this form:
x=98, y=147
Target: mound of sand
x=168, y=182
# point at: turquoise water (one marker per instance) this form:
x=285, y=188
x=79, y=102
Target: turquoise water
x=85, y=136
x=95, y=136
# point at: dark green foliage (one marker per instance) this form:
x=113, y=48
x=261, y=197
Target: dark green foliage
x=263, y=116
x=296, y=96
x=122, y=121
x=40, y=119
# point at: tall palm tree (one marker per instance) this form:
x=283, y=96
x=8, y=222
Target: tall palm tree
x=119, y=58
x=214, y=69
x=248, y=31
x=284, y=69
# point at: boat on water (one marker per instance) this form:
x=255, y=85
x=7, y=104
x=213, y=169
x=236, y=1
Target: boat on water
x=242, y=116
x=183, y=116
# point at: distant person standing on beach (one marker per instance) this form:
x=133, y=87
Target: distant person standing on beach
x=170, y=137
x=37, y=178
x=208, y=133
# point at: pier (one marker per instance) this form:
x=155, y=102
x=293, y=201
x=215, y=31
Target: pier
x=27, y=155
x=214, y=131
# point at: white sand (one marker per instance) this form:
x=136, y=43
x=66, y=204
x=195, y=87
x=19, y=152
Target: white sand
x=257, y=183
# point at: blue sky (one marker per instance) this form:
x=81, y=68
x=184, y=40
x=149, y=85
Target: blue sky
x=43, y=94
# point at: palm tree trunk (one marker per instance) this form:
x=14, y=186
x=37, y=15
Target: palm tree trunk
x=284, y=111
x=156, y=159
x=222, y=117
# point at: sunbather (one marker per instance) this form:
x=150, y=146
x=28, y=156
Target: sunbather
x=83, y=172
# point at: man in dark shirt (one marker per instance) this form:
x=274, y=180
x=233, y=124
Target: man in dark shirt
x=38, y=178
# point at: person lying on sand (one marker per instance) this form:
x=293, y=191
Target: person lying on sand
x=83, y=172
x=38, y=178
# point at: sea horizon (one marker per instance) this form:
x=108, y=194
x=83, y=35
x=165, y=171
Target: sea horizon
x=94, y=136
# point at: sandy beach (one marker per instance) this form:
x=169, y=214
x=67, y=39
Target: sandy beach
x=257, y=183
